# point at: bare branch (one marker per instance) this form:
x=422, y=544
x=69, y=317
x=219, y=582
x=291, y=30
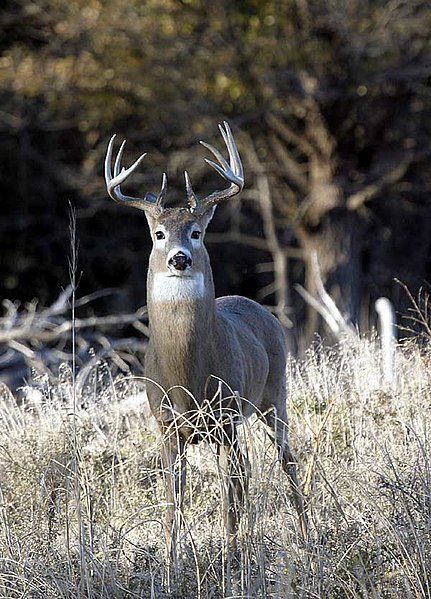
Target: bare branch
x=280, y=263
x=41, y=338
x=358, y=199
x=252, y=241
x=39, y=327
x=293, y=169
x=292, y=138
x=325, y=305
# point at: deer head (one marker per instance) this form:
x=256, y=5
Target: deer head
x=178, y=233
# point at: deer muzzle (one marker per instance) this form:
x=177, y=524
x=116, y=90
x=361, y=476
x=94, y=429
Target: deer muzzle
x=179, y=261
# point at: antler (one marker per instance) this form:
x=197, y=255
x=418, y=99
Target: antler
x=150, y=202
x=232, y=172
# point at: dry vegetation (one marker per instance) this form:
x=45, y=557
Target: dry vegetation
x=82, y=497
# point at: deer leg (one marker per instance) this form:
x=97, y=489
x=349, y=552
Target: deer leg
x=234, y=469
x=174, y=473
x=279, y=434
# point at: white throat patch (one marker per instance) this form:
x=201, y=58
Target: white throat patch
x=171, y=288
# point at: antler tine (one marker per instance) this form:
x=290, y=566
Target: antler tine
x=108, y=160
x=232, y=171
x=150, y=202
x=163, y=190
x=191, y=197
x=219, y=157
x=117, y=163
x=234, y=158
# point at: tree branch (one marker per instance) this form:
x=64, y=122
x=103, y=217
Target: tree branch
x=289, y=136
x=325, y=305
x=293, y=169
x=367, y=193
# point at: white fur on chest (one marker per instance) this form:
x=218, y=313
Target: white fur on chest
x=171, y=288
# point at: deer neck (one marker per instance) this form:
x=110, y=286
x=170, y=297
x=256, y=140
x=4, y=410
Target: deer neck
x=181, y=312
x=181, y=318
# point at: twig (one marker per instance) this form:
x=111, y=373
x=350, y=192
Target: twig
x=358, y=199
x=325, y=305
x=306, y=485
x=290, y=136
x=271, y=238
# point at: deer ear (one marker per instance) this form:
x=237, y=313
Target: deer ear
x=151, y=197
x=207, y=216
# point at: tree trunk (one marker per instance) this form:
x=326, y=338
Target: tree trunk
x=337, y=242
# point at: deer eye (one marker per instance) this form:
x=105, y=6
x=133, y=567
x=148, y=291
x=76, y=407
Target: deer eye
x=195, y=234
x=159, y=235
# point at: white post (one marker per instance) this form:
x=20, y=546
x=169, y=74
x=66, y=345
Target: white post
x=386, y=314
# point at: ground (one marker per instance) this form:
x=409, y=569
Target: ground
x=82, y=495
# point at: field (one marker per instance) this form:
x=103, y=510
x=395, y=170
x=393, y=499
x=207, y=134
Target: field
x=82, y=495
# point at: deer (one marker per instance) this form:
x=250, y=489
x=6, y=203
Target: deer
x=229, y=351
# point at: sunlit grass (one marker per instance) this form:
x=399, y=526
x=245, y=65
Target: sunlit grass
x=82, y=497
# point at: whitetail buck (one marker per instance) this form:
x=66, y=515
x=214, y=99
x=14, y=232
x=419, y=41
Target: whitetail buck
x=228, y=353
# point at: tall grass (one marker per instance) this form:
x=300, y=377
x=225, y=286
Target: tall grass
x=82, y=497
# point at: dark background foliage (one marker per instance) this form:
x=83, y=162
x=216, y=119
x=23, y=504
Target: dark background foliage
x=329, y=101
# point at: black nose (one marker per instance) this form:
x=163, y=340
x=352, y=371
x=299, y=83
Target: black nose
x=180, y=261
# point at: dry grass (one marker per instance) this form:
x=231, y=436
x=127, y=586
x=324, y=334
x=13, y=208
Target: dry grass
x=82, y=497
